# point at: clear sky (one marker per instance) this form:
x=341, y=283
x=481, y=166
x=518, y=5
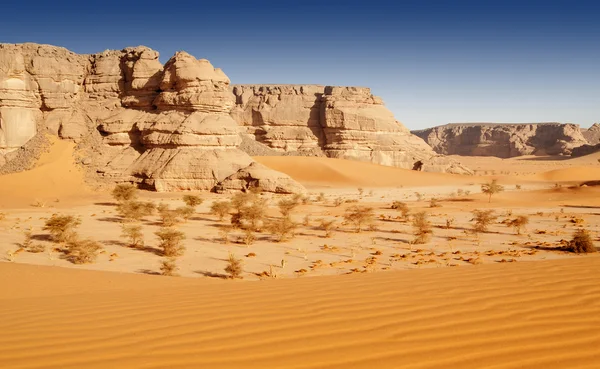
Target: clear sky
x=433, y=62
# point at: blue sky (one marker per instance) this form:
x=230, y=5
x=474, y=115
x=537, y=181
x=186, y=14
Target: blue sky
x=432, y=62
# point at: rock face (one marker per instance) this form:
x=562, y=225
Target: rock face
x=166, y=128
x=592, y=134
x=503, y=140
x=339, y=122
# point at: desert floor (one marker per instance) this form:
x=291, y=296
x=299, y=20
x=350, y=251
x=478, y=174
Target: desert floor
x=494, y=299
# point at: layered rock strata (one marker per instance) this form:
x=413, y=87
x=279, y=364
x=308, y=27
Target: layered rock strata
x=503, y=140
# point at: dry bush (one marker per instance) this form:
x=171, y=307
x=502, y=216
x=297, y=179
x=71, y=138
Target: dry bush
x=248, y=238
x=449, y=222
x=224, y=232
x=242, y=199
x=221, y=209
x=517, y=187
x=2, y=216
x=82, y=251
x=359, y=216
x=251, y=215
x=135, y=211
x=491, y=188
x=28, y=244
x=185, y=212
x=286, y=206
x=328, y=226
x=419, y=196
x=168, y=267
x=482, y=219
x=518, y=223
x=168, y=217
x=361, y=191
x=283, y=229
x=421, y=228
x=171, y=241
x=433, y=203
x=192, y=201
x=124, y=192
x=306, y=220
x=321, y=197
x=61, y=227
x=234, y=267
x=133, y=234
x=402, y=207
x=338, y=201
x=581, y=242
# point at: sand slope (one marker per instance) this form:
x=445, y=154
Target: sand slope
x=524, y=315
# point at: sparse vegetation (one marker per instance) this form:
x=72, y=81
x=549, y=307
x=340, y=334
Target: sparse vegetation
x=482, y=220
x=328, y=226
x=402, y=207
x=171, y=241
x=419, y=196
x=185, y=212
x=250, y=215
x=286, y=206
x=133, y=234
x=449, y=222
x=321, y=197
x=192, y=201
x=221, y=209
x=581, y=242
x=168, y=217
x=491, y=188
x=168, y=267
x=518, y=223
x=283, y=229
x=359, y=216
x=62, y=227
x=135, y=211
x=124, y=192
x=234, y=267
x=421, y=228
x=338, y=201
x=434, y=203
x=82, y=251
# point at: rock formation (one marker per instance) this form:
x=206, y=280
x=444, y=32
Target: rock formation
x=339, y=122
x=592, y=134
x=166, y=128
x=503, y=140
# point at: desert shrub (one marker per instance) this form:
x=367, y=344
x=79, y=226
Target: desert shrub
x=221, y=209
x=28, y=244
x=134, y=211
x=321, y=197
x=361, y=191
x=241, y=200
x=328, y=226
x=421, y=228
x=518, y=223
x=185, y=212
x=234, y=267
x=419, y=196
x=338, y=201
x=61, y=227
x=306, y=220
x=168, y=217
x=359, y=216
x=402, y=207
x=491, y=188
x=82, y=251
x=433, y=203
x=283, y=229
x=449, y=222
x=2, y=216
x=224, y=232
x=518, y=187
x=581, y=242
x=192, y=201
x=133, y=234
x=250, y=216
x=482, y=219
x=168, y=267
x=459, y=192
x=248, y=237
x=171, y=241
x=286, y=206
x=124, y=192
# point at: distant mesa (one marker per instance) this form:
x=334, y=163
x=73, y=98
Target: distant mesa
x=182, y=126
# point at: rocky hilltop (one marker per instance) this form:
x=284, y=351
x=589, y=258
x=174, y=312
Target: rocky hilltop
x=503, y=140
x=592, y=134
x=338, y=122
x=179, y=126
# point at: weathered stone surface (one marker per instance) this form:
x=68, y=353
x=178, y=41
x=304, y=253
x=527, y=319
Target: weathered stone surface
x=165, y=128
x=339, y=122
x=592, y=134
x=257, y=175
x=503, y=140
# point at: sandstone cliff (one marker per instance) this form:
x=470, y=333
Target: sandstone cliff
x=592, y=134
x=163, y=127
x=339, y=122
x=503, y=140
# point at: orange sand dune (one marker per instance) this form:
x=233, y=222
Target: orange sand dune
x=543, y=314
x=55, y=176
x=339, y=172
x=578, y=174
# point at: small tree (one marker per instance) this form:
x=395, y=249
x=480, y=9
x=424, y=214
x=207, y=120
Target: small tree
x=135, y=211
x=328, y=226
x=192, y=201
x=82, y=251
x=283, y=229
x=321, y=197
x=449, y=222
x=185, y=212
x=61, y=227
x=402, y=207
x=252, y=215
x=171, y=241
x=359, y=216
x=133, y=234
x=491, y=188
x=168, y=267
x=422, y=228
x=482, y=219
x=168, y=217
x=433, y=203
x=124, y=192
x=234, y=267
x=286, y=206
x=581, y=242
x=221, y=209
x=518, y=223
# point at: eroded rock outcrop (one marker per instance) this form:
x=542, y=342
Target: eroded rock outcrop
x=339, y=122
x=503, y=140
x=592, y=134
x=166, y=128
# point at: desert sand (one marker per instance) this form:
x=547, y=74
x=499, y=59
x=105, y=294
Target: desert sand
x=496, y=299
